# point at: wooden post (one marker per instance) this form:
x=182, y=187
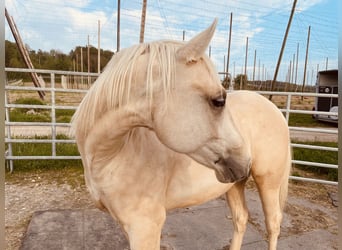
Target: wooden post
x=229, y=40
x=245, y=72
x=283, y=47
x=259, y=70
x=81, y=65
x=293, y=64
x=24, y=53
x=234, y=70
x=255, y=52
x=88, y=55
x=81, y=59
x=306, y=59
x=98, y=49
x=296, y=74
x=118, y=29
x=143, y=18
x=224, y=63
x=290, y=75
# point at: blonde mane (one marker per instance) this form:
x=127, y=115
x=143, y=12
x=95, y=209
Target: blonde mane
x=113, y=87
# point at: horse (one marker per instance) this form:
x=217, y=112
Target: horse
x=157, y=131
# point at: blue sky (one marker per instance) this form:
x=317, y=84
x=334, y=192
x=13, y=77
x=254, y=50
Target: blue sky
x=62, y=25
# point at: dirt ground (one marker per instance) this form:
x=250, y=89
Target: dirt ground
x=30, y=192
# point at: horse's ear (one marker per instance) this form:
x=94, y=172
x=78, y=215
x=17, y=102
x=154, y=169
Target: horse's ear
x=195, y=48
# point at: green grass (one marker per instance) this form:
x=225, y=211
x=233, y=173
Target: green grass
x=64, y=115
x=40, y=115
x=305, y=120
x=44, y=149
x=29, y=101
x=17, y=115
x=318, y=156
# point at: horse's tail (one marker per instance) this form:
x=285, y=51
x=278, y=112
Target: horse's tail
x=285, y=181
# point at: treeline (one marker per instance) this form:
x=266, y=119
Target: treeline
x=55, y=59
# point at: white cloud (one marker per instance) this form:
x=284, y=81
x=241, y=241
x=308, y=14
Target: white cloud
x=84, y=21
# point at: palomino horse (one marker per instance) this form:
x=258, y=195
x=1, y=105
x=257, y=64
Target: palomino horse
x=157, y=131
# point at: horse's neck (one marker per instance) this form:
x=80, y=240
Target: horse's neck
x=144, y=145
x=183, y=181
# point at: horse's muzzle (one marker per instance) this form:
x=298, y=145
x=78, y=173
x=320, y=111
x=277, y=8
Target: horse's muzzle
x=229, y=170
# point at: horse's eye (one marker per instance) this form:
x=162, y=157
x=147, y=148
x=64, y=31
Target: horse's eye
x=218, y=102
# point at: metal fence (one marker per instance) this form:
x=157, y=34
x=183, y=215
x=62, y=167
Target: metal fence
x=79, y=84
x=75, y=85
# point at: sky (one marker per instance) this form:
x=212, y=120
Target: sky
x=63, y=25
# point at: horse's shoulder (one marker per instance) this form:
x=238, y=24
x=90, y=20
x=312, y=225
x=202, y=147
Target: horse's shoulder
x=245, y=95
x=250, y=101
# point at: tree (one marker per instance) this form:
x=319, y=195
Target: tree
x=240, y=81
x=226, y=81
x=13, y=59
x=53, y=59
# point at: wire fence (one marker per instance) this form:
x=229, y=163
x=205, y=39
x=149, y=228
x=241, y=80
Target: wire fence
x=65, y=90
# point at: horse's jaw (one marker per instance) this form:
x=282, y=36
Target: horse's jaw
x=230, y=170
x=230, y=165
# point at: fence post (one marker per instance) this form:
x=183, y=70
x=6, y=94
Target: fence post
x=53, y=114
x=288, y=107
x=9, y=151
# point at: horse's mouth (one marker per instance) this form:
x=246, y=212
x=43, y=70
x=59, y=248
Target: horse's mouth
x=229, y=170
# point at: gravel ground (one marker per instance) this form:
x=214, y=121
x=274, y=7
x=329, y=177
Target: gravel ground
x=30, y=192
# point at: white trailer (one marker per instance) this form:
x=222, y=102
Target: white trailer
x=327, y=83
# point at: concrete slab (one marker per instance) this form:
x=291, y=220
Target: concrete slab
x=207, y=226
x=204, y=227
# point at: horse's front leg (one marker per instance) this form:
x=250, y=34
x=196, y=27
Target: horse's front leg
x=237, y=203
x=144, y=233
x=142, y=224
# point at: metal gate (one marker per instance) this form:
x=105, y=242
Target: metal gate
x=76, y=84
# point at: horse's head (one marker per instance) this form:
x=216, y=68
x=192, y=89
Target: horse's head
x=195, y=119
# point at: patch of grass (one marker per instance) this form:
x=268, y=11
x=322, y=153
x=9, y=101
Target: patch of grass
x=306, y=120
x=40, y=115
x=17, y=115
x=44, y=149
x=29, y=101
x=318, y=156
x=64, y=115
x=21, y=115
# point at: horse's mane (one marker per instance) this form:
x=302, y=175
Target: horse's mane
x=112, y=89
